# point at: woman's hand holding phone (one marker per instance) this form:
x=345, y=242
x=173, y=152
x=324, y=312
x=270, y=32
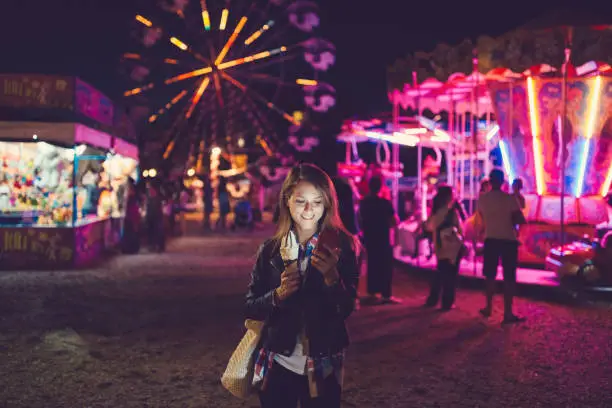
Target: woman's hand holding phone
x=325, y=259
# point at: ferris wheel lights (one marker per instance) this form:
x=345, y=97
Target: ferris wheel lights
x=197, y=96
x=169, y=149
x=592, y=115
x=167, y=106
x=259, y=32
x=197, y=72
x=231, y=41
x=224, y=16
x=143, y=20
x=306, y=82
x=136, y=91
x=178, y=43
x=206, y=20
x=253, y=37
x=131, y=92
x=251, y=58
x=129, y=55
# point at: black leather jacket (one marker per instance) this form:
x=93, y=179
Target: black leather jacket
x=319, y=308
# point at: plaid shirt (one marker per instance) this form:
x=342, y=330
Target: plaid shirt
x=317, y=368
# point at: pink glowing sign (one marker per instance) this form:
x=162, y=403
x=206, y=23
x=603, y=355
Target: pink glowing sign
x=93, y=103
x=125, y=149
x=93, y=137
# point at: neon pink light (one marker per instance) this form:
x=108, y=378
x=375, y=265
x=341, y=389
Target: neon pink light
x=605, y=188
x=398, y=138
x=593, y=109
x=535, y=134
x=93, y=137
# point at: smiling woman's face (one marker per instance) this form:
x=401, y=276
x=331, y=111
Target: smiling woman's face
x=306, y=206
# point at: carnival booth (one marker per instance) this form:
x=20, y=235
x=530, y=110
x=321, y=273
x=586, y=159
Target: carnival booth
x=62, y=193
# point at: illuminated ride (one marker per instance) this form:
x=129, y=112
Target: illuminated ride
x=561, y=150
x=225, y=74
x=527, y=105
x=462, y=127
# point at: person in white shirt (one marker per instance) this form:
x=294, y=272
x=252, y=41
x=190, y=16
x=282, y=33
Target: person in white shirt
x=500, y=213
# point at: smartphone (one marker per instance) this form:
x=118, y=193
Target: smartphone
x=329, y=239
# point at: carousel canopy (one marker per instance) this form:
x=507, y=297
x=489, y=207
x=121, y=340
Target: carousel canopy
x=408, y=132
x=463, y=93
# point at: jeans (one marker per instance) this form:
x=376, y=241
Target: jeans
x=444, y=281
x=285, y=389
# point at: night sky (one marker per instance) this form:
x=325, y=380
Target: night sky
x=86, y=37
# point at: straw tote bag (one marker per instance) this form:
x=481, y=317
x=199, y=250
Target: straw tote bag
x=239, y=373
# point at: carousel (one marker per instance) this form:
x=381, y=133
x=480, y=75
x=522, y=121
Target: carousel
x=547, y=129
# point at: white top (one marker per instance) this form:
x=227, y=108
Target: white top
x=496, y=209
x=5, y=196
x=296, y=362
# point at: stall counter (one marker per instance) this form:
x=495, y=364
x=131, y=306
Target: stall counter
x=39, y=247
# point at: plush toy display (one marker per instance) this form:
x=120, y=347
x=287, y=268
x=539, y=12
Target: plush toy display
x=48, y=160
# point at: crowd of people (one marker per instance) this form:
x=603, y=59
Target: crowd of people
x=157, y=210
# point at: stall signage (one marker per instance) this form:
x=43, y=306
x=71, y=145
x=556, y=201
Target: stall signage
x=93, y=103
x=125, y=149
x=36, y=248
x=84, y=134
x=36, y=91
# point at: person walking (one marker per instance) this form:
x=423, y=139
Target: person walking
x=131, y=231
x=445, y=225
x=303, y=290
x=500, y=213
x=377, y=218
x=224, y=204
x=208, y=198
x=155, y=218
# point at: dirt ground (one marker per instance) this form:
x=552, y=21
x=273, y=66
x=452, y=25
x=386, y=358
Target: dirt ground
x=156, y=330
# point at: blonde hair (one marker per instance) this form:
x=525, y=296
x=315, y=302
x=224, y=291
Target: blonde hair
x=320, y=180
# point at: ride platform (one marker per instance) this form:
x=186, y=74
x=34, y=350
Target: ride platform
x=531, y=282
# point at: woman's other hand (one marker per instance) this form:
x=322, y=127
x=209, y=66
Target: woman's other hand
x=290, y=282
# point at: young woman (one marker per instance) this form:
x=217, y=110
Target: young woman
x=446, y=228
x=303, y=292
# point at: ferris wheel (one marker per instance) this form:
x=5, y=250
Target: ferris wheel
x=230, y=73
